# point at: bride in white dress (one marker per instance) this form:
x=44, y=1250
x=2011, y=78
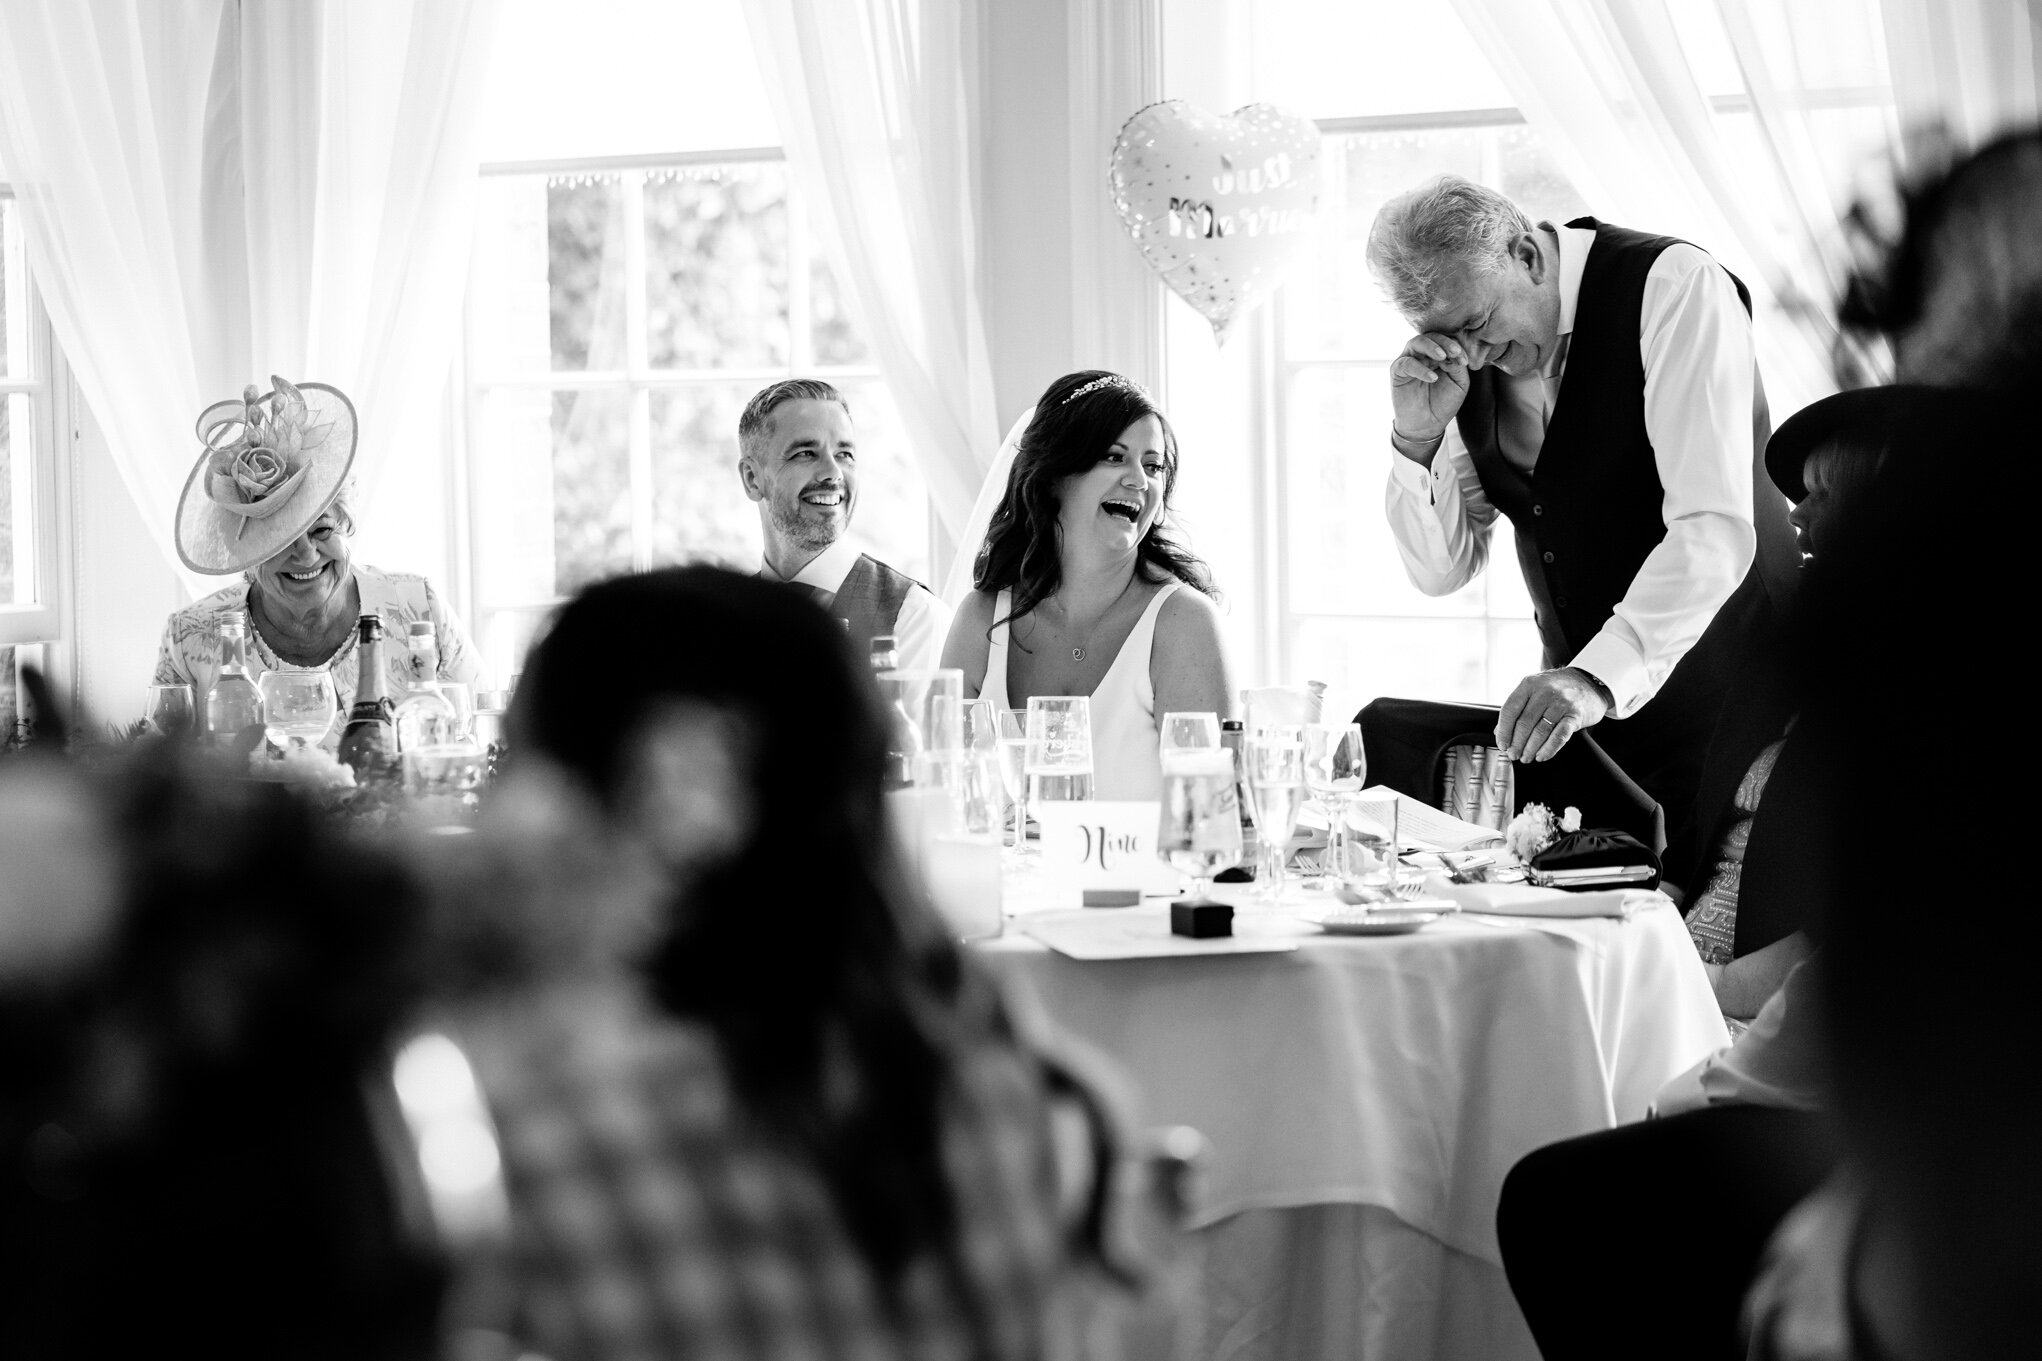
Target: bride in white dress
x=1079, y=589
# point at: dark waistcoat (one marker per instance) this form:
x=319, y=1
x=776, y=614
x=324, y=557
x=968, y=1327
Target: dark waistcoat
x=1591, y=510
x=870, y=600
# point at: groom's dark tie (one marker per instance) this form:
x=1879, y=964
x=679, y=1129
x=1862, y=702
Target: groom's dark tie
x=823, y=599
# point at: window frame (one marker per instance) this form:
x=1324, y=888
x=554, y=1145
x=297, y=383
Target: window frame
x=41, y=477
x=638, y=378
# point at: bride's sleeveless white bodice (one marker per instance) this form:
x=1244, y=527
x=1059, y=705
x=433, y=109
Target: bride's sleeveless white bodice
x=1125, y=760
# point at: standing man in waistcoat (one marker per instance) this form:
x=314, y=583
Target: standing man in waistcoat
x=1598, y=386
x=798, y=459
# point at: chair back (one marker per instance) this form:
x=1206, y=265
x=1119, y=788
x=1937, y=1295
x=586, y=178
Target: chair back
x=1406, y=742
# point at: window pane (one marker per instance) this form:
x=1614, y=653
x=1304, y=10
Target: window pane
x=837, y=338
x=699, y=509
x=509, y=299
x=716, y=267
x=7, y=505
x=591, y=487
x=585, y=272
x=1363, y=659
x=10, y=713
x=1343, y=559
x=893, y=506
x=13, y=293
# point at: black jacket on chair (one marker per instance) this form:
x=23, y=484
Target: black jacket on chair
x=1406, y=741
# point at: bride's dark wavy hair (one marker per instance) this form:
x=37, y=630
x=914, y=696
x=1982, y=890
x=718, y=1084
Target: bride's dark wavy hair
x=1076, y=422
x=840, y=1006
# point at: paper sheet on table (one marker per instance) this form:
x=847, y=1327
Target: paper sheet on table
x=1144, y=933
x=1523, y=900
x=1420, y=826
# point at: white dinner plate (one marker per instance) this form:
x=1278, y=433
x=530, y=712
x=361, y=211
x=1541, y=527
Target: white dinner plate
x=1386, y=921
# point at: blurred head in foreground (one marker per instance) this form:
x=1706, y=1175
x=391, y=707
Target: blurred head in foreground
x=197, y=985
x=730, y=750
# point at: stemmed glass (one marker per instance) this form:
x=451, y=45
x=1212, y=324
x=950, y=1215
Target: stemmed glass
x=1013, y=730
x=1200, y=833
x=1188, y=732
x=1335, y=770
x=1276, y=772
x=298, y=706
x=169, y=710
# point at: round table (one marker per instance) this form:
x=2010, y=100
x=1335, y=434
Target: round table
x=1364, y=1098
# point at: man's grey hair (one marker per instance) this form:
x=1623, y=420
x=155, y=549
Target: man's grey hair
x=757, y=421
x=1427, y=235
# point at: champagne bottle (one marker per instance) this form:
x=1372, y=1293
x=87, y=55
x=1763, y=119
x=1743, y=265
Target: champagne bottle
x=369, y=742
x=234, y=704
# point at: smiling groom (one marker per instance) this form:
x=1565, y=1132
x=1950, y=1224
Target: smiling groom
x=798, y=458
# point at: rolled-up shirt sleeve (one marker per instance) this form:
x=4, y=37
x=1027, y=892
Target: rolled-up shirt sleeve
x=1440, y=517
x=1700, y=376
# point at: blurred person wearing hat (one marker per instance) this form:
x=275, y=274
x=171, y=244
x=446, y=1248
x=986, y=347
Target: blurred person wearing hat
x=798, y=459
x=269, y=499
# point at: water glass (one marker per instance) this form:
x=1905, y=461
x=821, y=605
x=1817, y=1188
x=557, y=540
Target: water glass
x=443, y=781
x=1058, y=759
x=1276, y=772
x=1012, y=725
x=1188, y=732
x=1373, y=847
x=298, y=705
x=1335, y=771
x=1200, y=833
x=462, y=700
x=925, y=710
x=169, y=710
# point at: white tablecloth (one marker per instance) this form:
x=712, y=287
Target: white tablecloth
x=1403, y=1073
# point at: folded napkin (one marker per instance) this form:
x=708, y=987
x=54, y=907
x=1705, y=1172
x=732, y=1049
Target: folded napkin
x=1522, y=900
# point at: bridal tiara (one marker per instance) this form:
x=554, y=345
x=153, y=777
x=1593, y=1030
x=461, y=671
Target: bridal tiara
x=1111, y=380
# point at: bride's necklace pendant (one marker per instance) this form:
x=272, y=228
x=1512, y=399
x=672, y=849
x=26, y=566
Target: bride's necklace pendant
x=1077, y=654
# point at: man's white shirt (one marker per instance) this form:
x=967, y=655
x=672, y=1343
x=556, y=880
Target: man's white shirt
x=1700, y=375
x=924, y=620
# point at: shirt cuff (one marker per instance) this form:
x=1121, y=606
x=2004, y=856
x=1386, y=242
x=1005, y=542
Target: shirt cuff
x=1417, y=479
x=1617, y=665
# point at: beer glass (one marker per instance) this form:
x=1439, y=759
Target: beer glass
x=1200, y=834
x=1276, y=771
x=1058, y=758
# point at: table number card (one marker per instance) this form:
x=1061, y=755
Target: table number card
x=1103, y=849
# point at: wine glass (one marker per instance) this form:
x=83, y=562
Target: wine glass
x=1335, y=770
x=1200, y=833
x=169, y=709
x=1188, y=732
x=1059, y=752
x=1276, y=770
x=298, y=706
x=1013, y=731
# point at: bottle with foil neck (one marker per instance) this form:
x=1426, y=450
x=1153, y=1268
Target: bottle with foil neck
x=234, y=704
x=369, y=742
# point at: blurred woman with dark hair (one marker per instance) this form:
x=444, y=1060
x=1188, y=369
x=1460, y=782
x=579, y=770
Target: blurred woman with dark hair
x=1077, y=587
x=811, y=1131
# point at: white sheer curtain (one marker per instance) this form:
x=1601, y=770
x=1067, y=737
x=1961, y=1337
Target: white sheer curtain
x=1612, y=84
x=874, y=110
x=1970, y=64
x=213, y=191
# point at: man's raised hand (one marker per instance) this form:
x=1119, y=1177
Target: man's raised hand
x=1428, y=382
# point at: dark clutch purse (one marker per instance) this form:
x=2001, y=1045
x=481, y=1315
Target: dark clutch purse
x=1596, y=858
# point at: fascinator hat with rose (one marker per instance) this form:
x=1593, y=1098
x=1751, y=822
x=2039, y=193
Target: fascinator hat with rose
x=272, y=464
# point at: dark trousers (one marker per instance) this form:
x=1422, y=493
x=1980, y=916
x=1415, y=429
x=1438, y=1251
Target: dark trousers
x=1640, y=1241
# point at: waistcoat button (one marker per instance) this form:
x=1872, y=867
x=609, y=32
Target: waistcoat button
x=1538, y=510
x=1547, y=555
x=1559, y=602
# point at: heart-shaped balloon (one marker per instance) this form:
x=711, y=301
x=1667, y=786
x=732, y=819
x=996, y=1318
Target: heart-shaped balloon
x=1219, y=206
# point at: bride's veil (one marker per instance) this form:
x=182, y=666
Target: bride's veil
x=958, y=584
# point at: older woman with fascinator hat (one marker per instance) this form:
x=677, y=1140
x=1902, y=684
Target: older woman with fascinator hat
x=1077, y=586
x=269, y=499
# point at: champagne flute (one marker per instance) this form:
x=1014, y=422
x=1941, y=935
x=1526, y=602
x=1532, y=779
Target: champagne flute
x=298, y=705
x=1013, y=730
x=1276, y=769
x=169, y=709
x=1188, y=732
x=1335, y=770
x=1200, y=833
